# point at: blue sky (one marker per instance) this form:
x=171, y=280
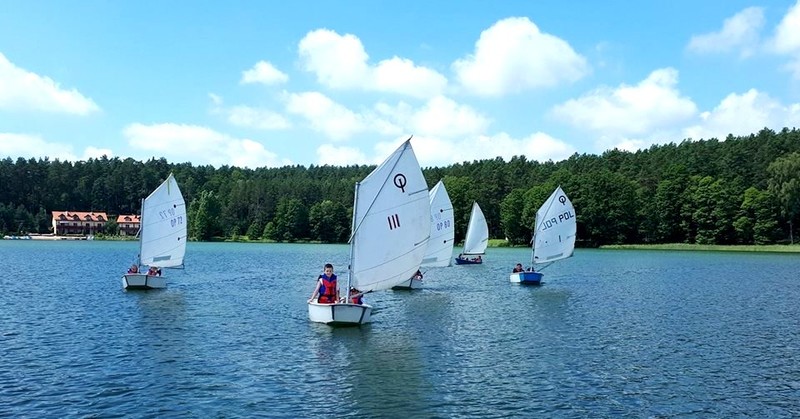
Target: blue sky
x=257, y=83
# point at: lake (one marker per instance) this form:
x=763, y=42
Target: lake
x=610, y=333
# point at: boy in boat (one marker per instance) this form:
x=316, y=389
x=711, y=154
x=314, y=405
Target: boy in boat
x=153, y=271
x=134, y=269
x=418, y=275
x=326, y=287
x=518, y=268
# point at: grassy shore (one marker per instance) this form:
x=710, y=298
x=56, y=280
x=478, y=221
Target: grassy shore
x=775, y=248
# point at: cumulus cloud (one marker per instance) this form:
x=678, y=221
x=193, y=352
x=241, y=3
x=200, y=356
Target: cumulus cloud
x=437, y=151
x=739, y=32
x=33, y=146
x=787, y=33
x=24, y=90
x=335, y=120
x=743, y=114
x=249, y=117
x=263, y=119
x=199, y=145
x=514, y=55
x=265, y=73
x=438, y=117
x=786, y=40
x=340, y=155
x=340, y=62
x=650, y=106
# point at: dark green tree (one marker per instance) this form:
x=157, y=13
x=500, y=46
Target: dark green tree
x=784, y=183
x=329, y=221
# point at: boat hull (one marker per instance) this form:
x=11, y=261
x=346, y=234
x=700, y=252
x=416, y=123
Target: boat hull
x=460, y=261
x=143, y=282
x=340, y=314
x=531, y=278
x=410, y=284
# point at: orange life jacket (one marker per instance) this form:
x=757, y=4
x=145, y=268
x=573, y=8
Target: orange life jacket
x=327, y=291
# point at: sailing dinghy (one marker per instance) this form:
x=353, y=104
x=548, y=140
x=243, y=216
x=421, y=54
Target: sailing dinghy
x=440, y=244
x=162, y=236
x=553, y=237
x=391, y=225
x=476, y=240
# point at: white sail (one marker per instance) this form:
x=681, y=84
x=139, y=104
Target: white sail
x=440, y=245
x=163, y=230
x=477, y=233
x=554, y=237
x=391, y=223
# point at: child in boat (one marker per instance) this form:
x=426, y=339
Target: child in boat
x=418, y=275
x=326, y=288
x=154, y=271
x=134, y=269
x=356, y=296
x=518, y=268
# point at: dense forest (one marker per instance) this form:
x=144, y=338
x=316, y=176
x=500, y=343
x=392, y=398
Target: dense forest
x=743, y=190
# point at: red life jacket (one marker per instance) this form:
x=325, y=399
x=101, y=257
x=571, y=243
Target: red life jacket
x=327, y=291
x=358, y=300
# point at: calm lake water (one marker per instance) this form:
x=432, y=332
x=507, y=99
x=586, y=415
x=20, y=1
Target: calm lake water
x=611, y=333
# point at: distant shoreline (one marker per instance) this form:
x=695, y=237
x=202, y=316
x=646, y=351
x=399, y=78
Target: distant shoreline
x=772, y=248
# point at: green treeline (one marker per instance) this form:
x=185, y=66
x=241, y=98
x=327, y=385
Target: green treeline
x=744, y=190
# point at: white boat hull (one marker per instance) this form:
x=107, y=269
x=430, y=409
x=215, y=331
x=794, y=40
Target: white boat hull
x=340, y=314
x=143, y=282
x=533, y=278
x=411, y=284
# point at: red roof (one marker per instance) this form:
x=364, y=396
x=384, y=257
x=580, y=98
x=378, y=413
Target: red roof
x=80, y=216
x=128, y=219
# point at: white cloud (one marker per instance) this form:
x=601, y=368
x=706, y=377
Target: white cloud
x=249, y=117
x=265, y=73
x=438, y=117
x=398, y=75
x=33, y=146
x=743, y=114
x=215, y=99
x=513, y=56
x=340, y=155
x=741, y=31
x=340, y=62
x=787, y=34
x=24, y=90
x=642, y=110
x=786, y=40
x=333, y=119
x=437, y=151
x=199, y=145
x=245, y=116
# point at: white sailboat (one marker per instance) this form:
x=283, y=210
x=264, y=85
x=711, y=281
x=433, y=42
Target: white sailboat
x=553, y=237
x=162, y=236
x=440, y=244
x=389, y=235
x=476, y=240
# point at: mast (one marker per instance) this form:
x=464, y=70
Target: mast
x=141, y=227
x=352, y=244
x=533, y=240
